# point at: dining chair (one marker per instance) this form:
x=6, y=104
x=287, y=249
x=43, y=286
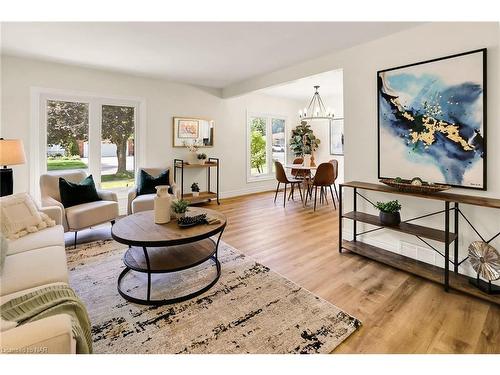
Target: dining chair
x=335, y=164
x=297, y=173
x=282, y=178
x=323, y=179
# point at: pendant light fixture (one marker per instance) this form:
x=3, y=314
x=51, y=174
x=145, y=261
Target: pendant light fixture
x=316, y=109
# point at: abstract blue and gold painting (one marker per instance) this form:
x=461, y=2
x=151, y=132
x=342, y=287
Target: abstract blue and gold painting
x=432, y=122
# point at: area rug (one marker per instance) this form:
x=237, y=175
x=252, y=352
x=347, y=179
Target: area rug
x=251, y=309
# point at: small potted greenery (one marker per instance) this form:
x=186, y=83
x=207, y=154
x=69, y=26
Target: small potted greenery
x=195, y=189
x=389, y=212
x=202, y=158
x=179, y=207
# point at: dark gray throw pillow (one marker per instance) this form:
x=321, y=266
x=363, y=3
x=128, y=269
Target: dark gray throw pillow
x=147, y=184
x=74, y=194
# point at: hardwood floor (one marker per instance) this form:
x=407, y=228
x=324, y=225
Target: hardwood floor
x=401, y=313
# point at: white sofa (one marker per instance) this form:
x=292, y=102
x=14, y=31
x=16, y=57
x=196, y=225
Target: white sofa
x=33, y=262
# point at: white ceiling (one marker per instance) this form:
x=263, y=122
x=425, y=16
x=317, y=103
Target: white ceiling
x=331, y=85
x=212, y=54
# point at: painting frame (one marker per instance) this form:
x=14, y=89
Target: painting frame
x=483, y=53
x=204, y=137
x=339, y=151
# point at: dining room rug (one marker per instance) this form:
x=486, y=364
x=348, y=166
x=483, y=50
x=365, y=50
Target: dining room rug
x=251, y=309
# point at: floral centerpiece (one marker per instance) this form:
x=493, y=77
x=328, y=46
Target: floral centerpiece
x=193, y=148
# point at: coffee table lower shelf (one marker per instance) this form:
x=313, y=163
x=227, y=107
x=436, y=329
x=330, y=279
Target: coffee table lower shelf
x=430, y=272
x=160, y=260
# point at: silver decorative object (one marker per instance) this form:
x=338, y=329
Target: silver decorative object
x=485, y=260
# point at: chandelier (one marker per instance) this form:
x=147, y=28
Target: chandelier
x=316, y=109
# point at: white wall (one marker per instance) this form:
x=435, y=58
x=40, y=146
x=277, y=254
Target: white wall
x=163, y=101
x=422, y=43
x=360, y=65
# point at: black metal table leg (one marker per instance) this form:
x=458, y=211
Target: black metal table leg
x=455, y=254
x=447, y=246
x=218, y=161
x=340, y=218
x=355, y=208
x=149, y=273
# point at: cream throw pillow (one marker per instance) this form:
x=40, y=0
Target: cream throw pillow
x=20, y=216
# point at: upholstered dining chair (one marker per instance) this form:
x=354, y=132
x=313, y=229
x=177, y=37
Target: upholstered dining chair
x=297, y=173
x=282, y=178
x=81, y=216
x=145, y=202
x=323, y=179
x=335, y=164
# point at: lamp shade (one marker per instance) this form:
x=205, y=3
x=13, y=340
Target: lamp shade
x=12, y=152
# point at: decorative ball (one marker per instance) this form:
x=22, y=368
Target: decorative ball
x=416, y=181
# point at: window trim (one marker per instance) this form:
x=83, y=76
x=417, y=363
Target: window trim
x=269, y=117
x=38, y=127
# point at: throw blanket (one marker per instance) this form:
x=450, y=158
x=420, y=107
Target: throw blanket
x=52, y=300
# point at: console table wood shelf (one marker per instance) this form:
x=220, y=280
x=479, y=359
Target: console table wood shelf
x=452, y=280
x=204, y=196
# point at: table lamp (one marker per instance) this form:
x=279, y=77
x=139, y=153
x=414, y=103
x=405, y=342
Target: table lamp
x=11, y=153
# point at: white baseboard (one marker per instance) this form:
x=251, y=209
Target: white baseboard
x=246, y=191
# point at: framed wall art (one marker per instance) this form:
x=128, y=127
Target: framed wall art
x=432, y=120
x=189, y=130
x=337, y=136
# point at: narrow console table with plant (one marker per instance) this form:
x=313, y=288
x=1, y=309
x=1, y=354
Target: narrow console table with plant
x=197, y=196
x=482, y=256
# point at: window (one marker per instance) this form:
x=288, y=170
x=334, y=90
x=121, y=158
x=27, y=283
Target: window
x=117, y=147
x=67, y=135
x=266, y=143
x=91, y=133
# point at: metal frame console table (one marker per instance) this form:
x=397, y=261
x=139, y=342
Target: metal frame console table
x=204, y=196
x=452, y=280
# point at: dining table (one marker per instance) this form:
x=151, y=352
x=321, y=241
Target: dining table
x=300, y=167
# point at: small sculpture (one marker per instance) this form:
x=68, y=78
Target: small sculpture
x=485, y=260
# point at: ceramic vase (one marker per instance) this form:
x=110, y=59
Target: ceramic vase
x=192, y=158
x=307, y=160
x=196, y=193
x=162, y=203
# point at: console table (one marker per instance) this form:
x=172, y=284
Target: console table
x=447, y=237
x=204, y=196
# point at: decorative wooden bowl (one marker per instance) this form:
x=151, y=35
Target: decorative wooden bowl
x=407, y=187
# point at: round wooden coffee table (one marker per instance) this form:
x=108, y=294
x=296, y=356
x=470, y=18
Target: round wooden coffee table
x=165, y=248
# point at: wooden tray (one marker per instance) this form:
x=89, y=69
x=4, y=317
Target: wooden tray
x=406, y=186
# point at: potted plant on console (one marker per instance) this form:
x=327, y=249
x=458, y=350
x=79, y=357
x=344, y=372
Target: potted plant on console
x=195, y=189
x=389, y=212
x=202, y=158
x=179, y=207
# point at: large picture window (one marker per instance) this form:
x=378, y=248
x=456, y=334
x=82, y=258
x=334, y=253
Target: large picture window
x=86, y=132
x=266, y=142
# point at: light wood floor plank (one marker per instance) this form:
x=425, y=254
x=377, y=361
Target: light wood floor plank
x=401, y=313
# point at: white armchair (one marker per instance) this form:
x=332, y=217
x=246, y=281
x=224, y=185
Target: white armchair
x=145, y=202
x=81, y=216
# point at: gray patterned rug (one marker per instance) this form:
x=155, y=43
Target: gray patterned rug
x=251, y=309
